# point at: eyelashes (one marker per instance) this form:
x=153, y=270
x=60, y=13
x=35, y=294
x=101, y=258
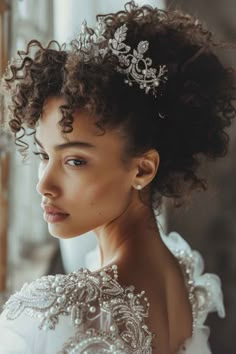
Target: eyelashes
x=78, y=162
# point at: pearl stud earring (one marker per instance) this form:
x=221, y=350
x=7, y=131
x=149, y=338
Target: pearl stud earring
x=139, y=187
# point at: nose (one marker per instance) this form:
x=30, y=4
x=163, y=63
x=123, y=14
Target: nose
x=47, y=181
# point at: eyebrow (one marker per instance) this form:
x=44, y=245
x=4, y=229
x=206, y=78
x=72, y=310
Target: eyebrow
x=80, y=144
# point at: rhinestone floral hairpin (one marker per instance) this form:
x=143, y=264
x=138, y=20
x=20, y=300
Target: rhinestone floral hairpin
x=132, y=63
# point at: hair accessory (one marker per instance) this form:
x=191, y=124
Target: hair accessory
x=131, y=61
x=134, y=65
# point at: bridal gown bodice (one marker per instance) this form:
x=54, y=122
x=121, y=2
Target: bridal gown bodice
x=91, y=312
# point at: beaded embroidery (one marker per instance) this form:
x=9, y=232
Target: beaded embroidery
x=86, y=295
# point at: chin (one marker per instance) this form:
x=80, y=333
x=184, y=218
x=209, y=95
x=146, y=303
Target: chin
x=62, y=234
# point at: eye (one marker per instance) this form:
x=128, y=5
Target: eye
x=76, y=162
x=71, y=162
x=42, y=155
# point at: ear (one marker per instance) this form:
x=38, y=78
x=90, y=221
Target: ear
x=147, y=166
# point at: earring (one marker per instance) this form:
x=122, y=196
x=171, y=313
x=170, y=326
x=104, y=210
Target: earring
x=139, y=187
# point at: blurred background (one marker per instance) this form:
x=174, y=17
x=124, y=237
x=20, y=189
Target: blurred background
x=27, y=251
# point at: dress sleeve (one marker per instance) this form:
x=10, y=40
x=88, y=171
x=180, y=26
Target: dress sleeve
x=23, y=335
x=198, y=343
x=13, y=336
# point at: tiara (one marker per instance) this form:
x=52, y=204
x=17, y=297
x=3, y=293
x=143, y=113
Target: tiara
x=132, y=62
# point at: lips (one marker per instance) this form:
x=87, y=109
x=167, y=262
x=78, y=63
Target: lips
x=51, y=209
x=53, y=214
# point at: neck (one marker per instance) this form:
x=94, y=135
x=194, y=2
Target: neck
x=130, y=237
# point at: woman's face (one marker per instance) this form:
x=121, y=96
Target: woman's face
x=89, y=183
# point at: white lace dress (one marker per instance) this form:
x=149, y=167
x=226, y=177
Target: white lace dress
x=90, y=312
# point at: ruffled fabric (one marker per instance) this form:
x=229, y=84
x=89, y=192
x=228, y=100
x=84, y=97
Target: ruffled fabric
x=198, y=343
x=208, y=294
x=207, y=285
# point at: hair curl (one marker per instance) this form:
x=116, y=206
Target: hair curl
x=197, y=99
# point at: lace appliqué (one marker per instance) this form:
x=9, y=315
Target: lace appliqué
x=85, y=296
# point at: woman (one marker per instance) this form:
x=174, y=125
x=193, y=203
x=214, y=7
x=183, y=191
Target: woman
x=120, y=120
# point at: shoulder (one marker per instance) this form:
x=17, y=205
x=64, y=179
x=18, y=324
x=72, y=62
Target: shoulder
x=86, y=301
x=49, y=297
x=24, y=317
x=34, y=298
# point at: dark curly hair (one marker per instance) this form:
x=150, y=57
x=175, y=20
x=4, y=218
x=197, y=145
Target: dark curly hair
x=196, y=101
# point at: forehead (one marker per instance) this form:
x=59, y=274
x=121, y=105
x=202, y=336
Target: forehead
x=51, y=115
x=50, y=132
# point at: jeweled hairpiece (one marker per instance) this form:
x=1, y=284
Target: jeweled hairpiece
x=132, y=62
x=134, y=65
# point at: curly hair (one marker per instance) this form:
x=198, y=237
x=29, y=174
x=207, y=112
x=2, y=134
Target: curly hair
x=197, y=100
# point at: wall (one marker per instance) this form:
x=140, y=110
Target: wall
x=209, y=222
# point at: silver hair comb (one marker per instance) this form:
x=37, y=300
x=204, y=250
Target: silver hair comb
x=132, y=63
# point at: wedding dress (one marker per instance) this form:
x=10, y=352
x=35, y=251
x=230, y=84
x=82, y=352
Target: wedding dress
x=89, y=311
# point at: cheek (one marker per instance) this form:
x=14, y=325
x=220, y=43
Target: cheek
x=109, y=193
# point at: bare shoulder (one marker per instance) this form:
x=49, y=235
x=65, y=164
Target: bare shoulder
x=144, y=278
x=168, y=297
x=178, y=305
